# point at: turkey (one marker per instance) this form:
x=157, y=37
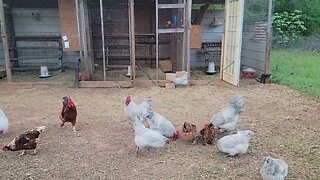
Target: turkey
x=147, y=138
x=227, y=118
x=161, y=124
x=183, y=80
x=235, y=144
x=4, y=123
x=274, y=169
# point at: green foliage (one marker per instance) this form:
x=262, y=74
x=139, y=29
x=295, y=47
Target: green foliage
x=297, y=69
x=287, y=27
x=310, y=9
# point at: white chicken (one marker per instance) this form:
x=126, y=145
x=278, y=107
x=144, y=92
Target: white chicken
x=274, y=169
x=133, y=110
x=235, y=144
x=227, y=118
x=161, y=124
x=4, y=123
x=145, y=137
x=183, y=80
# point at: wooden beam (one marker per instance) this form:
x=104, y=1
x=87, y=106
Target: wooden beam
x=79, y=29
x=269, y=39
x=157, y=39
x=172, y=30
x=170, y=6
x=132, y=41
x=202, y=12
x=208, y=1
x=188, y=34
x=105, y=84
x=103, y=42
x=5, y=42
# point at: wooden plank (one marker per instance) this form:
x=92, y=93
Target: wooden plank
x=196, y=36
x=5, y=42
x=170, y=6
x=173, y=30
x=68, y=23
x=105, y=84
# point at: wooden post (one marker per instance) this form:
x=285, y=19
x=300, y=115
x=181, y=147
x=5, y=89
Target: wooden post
x=79, y=31
x=132, y=41
x=187, y=26
x=269, y=39
x=157, y=40
x=5, y=42
x=83, y=31
x=103, y=45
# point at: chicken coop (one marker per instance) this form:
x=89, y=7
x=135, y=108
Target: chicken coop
x=123, y=41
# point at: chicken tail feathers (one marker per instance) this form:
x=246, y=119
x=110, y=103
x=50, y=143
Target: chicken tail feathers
x=40, y=129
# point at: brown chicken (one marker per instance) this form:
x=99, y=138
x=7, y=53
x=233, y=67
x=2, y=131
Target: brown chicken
x=26, y=141
x=68, y=113
x=189, y=132
x=208, y=134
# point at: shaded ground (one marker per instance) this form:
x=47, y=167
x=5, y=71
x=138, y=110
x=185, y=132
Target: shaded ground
x=285, y=122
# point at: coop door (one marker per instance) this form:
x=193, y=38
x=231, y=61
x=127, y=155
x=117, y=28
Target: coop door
x=232, y=41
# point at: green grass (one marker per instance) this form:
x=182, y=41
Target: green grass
x=297, y=69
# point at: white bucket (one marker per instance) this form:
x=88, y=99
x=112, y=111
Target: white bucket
x=129, y=71
x=44, y=71
x=211, y=67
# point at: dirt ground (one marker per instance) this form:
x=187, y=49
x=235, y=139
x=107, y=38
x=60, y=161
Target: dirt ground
x=285, y=122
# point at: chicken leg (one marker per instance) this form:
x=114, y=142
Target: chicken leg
x=34, y=152
x=74, y=125
x=137, y=151
x=23, y=152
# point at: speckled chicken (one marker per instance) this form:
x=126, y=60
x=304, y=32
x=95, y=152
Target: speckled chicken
x=189, y=132
x=25, y=141
x=227, y=118
x=274, y=169
x=208, y=134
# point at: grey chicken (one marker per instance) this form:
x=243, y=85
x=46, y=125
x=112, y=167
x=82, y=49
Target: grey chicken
x=227, y=118
x=274, y=169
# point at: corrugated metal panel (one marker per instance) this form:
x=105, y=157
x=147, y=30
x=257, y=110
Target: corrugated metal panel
x=27, y=22
x=209, y=34
x=37, y=34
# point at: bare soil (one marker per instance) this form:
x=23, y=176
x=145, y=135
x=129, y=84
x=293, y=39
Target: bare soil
x=285, y=122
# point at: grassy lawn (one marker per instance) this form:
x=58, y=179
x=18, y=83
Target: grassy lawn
x=297, y=69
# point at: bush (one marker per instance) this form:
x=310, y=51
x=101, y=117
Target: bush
x=287, y=27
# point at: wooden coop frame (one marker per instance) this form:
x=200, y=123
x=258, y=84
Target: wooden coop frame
x=231, y=53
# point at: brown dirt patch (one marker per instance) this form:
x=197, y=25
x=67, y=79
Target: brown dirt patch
x=285, y=122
